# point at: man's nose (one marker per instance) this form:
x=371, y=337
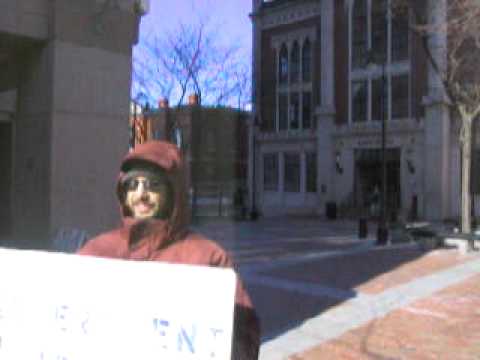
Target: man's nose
x=141, y=188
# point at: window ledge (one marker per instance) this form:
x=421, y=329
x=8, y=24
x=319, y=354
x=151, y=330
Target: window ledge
x=399, y=125
x=288, y=134
x=325, y=111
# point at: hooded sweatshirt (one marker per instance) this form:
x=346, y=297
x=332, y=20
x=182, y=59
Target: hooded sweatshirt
x=171, y=241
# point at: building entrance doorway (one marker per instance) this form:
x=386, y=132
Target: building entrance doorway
x=5, y=179
x=368, y=181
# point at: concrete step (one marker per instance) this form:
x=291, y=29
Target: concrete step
x=461, y=243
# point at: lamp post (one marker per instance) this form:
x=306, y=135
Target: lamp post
x=382, y=230
x=253, y=210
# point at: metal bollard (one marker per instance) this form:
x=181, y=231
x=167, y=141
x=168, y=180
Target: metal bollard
x=362, y=228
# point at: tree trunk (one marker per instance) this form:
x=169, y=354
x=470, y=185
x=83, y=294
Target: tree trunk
x=466, y=144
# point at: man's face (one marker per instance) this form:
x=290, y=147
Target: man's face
x=145, y=197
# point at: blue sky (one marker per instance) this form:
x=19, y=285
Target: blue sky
x=231, y=16
x=228, y=18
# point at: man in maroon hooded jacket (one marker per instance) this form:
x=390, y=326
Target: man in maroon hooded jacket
x=153, y=201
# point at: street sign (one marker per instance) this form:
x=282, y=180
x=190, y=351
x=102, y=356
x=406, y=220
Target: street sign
x=68, y=307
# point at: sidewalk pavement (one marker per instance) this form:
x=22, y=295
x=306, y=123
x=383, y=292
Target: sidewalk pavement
x=323, y=293
x=424, y=308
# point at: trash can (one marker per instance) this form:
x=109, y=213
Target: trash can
x=331, y=210
x=362, y=228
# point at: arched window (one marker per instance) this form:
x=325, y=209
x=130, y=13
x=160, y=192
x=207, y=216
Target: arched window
x=306, y=61
x=399, y=43
x=359, y=33
x=283, y=65
x=295, y=63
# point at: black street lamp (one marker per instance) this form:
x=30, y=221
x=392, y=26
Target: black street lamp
x=382, y=230
x=253, y=210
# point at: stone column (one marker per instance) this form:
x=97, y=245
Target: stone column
x=326, y=111
x=31, y=149
x=437, y=161
x=328, y=56
x=437, y=126
x=72, y=129
x=325, y=163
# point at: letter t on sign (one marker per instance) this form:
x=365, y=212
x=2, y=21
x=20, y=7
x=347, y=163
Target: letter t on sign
x=161, y=327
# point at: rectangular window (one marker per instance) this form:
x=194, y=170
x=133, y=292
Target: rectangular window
x=283, y=65
x=400, y=96
x=359, y=95
x=283, y=111
x=292, y=172
x=379, y=30
x=359, y=33
x=306, y=61
x=379, y=100
x=270, y=172
x=311, y=175
x=400, y=37
x=294, y=111
x=295, y=63
x=307, y=110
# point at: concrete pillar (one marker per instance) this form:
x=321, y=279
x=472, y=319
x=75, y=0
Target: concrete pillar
x=325, y=163
x=72, y=127
x=89, y=135
x=326, y=110
x=437, y=162
x=437, y=125
x=328, y=53
x=31, y=148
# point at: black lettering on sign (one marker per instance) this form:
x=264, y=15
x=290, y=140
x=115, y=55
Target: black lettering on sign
x=215, y=332
x=187, y=338
x=62, y=316
x=84, y=324
x=70, y=320
x=161, y=327
x=44, y=356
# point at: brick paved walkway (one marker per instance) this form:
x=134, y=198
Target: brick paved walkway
x=322, y=293
x=425, y=308
x=445, y=325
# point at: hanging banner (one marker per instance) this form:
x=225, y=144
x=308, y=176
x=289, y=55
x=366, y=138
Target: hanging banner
x=68, y=307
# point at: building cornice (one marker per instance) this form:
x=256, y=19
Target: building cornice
x=374, y=128
x=290, y=37
x=286, y=14
x=287, y=136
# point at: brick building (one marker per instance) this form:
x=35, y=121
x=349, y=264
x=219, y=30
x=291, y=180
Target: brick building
x=320, y=69
x=214, y=141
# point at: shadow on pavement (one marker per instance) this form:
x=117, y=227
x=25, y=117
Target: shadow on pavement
x=305, y=290
x=287, y=295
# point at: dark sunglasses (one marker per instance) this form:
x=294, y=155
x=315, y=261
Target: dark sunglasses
x=148, y=184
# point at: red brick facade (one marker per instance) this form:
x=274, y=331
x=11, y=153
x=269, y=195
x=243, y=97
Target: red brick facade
x=214, y=142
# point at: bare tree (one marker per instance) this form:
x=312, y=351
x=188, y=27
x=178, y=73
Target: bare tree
x=455, y=64
x=190, y=59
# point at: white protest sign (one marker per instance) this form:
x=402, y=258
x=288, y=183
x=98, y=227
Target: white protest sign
x=69, y=307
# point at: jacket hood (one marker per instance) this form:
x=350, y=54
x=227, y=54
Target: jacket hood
x=167, y=157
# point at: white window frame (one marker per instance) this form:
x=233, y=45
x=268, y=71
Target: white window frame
x=300, y=36
x=391, y=68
